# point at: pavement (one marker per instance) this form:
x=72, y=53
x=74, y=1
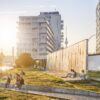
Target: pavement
x=58, y=95
x=96, y=79
x=52, y=94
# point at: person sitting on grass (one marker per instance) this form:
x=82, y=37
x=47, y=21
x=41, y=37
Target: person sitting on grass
x=74, y=74
x=71, y=74
x=83, y=75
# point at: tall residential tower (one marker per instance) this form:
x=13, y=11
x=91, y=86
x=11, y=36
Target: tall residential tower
x=98, y=28
x=35, y=37
x=56, y=23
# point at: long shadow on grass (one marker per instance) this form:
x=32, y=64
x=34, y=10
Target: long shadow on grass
x=3, y=98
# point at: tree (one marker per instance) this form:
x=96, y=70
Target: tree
x=1, y=58
x=24, y=60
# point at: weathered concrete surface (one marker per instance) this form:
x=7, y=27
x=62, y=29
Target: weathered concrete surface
x=73, y=57
x=95, y=79
x=59, y=95
x=56, y=92
x=94, y=62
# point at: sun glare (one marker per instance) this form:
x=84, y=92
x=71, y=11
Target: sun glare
x=7, y=33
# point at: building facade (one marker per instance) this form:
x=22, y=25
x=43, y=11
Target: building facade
x=56, y=23
x=98, y=28
x=35, y=36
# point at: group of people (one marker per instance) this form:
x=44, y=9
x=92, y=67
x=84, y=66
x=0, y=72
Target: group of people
x=73, y=74
x=19, y=80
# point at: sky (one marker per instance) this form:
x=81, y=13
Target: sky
x=79, y=19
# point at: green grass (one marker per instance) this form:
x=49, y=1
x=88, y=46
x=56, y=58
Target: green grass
x=13, y=95
x=87, y=85
x=36, y=77
x=94, y=74
x=41, y=78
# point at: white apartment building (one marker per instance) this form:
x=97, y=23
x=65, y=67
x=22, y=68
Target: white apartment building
x=35, y=36
x=54, y=18
x=98, y=28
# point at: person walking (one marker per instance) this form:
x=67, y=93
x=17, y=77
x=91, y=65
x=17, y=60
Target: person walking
x=17, y=84
x=21, y=81
x=8, y=81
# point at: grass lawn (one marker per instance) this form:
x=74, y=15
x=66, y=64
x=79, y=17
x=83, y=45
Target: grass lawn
x=36, y=77
x=12, y=95
x=87, y=85
x=94, y=74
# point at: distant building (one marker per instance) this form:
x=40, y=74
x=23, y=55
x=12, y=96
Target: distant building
x=35, y=36
x=8, y=60
x=98, y=28
x=56, y=23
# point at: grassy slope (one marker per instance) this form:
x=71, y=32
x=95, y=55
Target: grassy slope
x=36, y=77
x=94, y=74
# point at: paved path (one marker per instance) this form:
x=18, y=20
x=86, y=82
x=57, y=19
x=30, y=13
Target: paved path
x=96, y=79
x=59, y=95
x=51, y=94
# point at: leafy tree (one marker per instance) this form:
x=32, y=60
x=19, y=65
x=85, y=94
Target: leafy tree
x=24, y=60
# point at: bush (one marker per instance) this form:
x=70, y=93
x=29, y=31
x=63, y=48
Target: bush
x=24, y=60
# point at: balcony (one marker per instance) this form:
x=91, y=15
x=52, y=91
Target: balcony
x=62, y=26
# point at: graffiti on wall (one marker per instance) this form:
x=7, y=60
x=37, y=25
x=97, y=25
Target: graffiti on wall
x=73, y=57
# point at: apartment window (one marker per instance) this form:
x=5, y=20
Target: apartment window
x=42, y=53
x=34, y=28
x=41, y=49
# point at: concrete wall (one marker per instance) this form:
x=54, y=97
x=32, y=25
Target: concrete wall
x=94, y=62
x=73, y=57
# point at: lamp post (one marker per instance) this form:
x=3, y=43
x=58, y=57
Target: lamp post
x=37, y=63
x=90, y=39
x=91, y=36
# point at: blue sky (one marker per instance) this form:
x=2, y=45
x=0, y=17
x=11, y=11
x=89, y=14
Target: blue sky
x=79, y=17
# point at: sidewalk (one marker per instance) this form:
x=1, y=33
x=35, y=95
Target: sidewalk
x=70, y=94
x=95, y=79
x=59, y=95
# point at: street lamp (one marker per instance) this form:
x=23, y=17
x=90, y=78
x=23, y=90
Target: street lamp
x=90, y=39
x=37, y=63
x=91, y=36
